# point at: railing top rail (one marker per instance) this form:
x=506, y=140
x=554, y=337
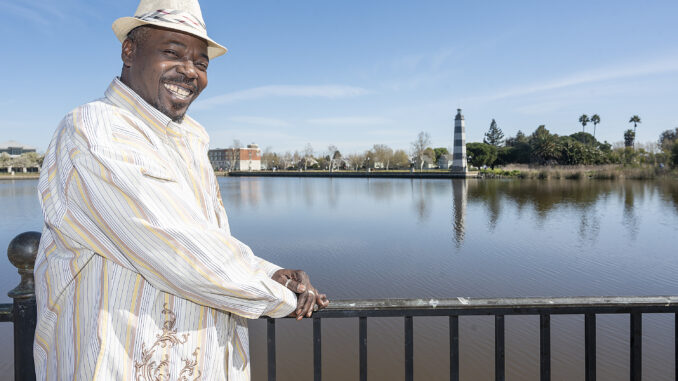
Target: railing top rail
x=500, y=306
x=513, y=302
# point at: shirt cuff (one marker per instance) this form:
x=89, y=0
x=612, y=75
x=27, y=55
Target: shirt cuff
x=268, y=267
x=283, y=307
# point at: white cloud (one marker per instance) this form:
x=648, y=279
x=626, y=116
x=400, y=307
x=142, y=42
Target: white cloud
x=349, y=120
x=26, y=12
x=259, y=121
x=38, y=12
x=325, y=91
x=661, y=66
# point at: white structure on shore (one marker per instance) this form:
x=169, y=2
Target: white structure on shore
x=14, y=148
x=459, y=163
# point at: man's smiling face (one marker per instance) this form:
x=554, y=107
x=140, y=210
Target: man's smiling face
x=167, y=69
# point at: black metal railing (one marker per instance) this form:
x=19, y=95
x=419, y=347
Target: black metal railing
x=590, y=307
x=22, y=313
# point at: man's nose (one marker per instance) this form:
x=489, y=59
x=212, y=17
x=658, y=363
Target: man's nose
x=188, y=69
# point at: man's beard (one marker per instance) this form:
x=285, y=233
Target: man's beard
x=177, y=80
x=171, y=113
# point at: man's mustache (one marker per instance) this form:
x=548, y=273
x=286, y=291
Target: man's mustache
x=182, y=80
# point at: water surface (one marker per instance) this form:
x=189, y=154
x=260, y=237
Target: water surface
x=381, y=238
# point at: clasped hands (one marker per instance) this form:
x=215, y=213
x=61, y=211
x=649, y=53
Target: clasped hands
x=308, y=296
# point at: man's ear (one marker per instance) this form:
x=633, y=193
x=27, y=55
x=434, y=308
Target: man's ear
x=128, y=52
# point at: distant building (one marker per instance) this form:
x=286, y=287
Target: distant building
x=445, y=161
x=428, y=163
x=459, y=153
x=14, y=148
x=236, y=159
x=307, y=162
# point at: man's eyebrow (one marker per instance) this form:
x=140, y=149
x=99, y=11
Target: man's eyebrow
x=176, y=43
x=203, y=55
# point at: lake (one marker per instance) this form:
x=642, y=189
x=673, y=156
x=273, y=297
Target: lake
x=402, y=238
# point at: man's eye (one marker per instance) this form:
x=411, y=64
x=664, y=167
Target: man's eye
x=171, y=52
x=201, y=65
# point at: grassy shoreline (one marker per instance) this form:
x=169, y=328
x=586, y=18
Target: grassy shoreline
x=22, y=176
x=593, y=172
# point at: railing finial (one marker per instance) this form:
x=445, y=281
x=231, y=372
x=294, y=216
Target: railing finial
x=22, y=252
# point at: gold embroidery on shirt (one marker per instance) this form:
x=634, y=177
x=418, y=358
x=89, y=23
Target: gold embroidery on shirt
x=147, y=370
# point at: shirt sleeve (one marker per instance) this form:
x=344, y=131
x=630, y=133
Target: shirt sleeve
x=131, y=210
x=268, y=267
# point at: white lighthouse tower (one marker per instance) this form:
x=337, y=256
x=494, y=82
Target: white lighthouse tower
x=459, y=151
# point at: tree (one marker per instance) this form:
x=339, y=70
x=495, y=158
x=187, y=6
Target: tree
x=22, y=161
x=494, y=136
x=419, y=146
x=323, y=162
x=629, y=138
x=519, y=138
x=667, y=139
x=440, y=151
x=5, y=159
x=332, y=152
x=400, y=159
x=430, y=154
x=584, y=137
x=595, y=119
x=356, y=160
x=268, y=158
x=382, y=153
x=574, y=152
x=635, y=120
x=674, y=155
x=544, y=145
x=584, y=119
x=481, y=154
x=308, y=154
x=233, y=155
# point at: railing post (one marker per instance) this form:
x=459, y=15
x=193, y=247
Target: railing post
x=499, y=353
x=545, y=347
x=22, y=252
x=270, y=343
x=409, y=348
x=363, y=347
x=590, y=346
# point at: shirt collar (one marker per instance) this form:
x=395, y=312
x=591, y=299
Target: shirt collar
x=122, y=96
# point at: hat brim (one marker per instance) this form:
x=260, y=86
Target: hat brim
x=123, y=25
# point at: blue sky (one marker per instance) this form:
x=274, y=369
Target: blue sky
x=357, y=73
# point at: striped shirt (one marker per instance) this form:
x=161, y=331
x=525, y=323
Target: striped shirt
x=137, y=275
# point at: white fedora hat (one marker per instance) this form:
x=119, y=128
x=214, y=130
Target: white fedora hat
x=181, y=15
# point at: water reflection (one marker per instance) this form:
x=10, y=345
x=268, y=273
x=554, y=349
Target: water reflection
x=542, y=199
x=421, y=193
x=630, y=219
x=459, y=194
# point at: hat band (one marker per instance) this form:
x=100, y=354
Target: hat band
x=174, y=16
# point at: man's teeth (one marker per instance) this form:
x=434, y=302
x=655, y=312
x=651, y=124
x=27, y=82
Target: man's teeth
x=180, y=91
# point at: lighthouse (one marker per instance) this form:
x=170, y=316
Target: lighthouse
x=459, y=152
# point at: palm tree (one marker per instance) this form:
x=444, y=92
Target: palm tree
x=583, y=120
x=595, y=119
x=635, y=120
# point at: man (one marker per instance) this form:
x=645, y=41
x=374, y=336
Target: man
x=137, y=275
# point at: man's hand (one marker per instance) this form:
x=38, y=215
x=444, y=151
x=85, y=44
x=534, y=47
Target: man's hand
x=307, y=295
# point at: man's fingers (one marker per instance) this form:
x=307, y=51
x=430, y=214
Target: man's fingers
x=295, y=286
x=301, y=303
x=310, y=302
x=321, y=300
